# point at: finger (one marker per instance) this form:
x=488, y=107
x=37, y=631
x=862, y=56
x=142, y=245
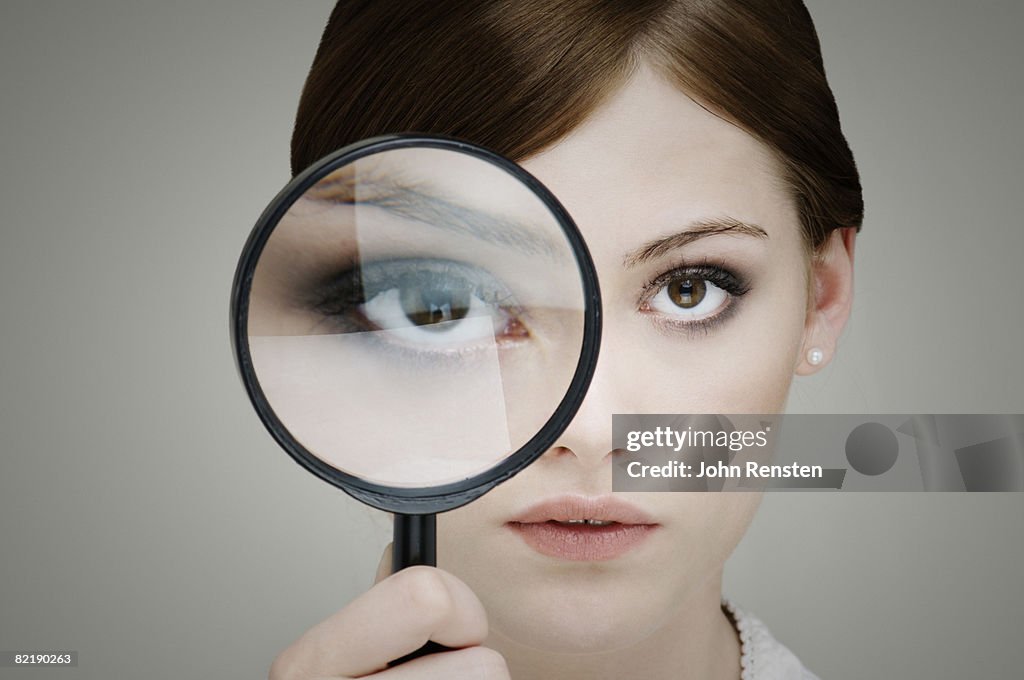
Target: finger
x=384, y=567
x=395, y=617
x=472, y=663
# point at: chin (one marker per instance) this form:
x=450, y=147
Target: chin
x=577, y=617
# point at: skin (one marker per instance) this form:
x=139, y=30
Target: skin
x=312, y=338
x=648, y=164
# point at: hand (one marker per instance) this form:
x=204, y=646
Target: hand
x=393, y=618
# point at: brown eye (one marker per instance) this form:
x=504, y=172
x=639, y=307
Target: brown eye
x=686, y=292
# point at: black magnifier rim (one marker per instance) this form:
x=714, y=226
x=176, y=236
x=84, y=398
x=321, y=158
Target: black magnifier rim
x=413, y=500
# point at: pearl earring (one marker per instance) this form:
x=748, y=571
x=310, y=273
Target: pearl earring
x=815, y=356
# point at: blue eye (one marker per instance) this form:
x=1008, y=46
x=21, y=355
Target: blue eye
x=433, y=305
x=434, y=318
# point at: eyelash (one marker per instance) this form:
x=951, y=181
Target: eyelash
x=338, y=300
x=734, y=285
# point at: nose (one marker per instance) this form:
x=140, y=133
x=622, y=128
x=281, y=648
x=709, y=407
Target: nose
x=614, y=388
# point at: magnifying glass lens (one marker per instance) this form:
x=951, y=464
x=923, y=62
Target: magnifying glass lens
x=416, y=316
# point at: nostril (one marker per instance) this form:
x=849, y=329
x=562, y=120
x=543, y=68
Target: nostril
x=615, y=453
x=557, y=451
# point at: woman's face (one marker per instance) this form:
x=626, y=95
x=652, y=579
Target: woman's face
x=703, y=274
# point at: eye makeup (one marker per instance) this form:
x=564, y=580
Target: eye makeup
x=711, y=279
x=421, y=306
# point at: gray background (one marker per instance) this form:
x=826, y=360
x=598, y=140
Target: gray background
x=147, y=520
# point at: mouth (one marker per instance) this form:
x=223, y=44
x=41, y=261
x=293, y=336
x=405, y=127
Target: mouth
x=580, y=528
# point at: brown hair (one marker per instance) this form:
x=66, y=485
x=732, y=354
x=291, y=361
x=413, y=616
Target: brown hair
x=517, y=75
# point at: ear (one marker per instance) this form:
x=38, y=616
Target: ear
x=831, y=298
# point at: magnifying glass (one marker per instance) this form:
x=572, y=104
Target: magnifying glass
x=415, y=320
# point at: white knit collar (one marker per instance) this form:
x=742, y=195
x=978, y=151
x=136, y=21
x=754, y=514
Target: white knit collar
x=762, y=657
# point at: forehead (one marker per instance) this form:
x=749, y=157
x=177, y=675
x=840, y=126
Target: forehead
x=651, y=155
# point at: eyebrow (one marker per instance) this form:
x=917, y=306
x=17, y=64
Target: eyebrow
x=693, y=232
x=407, y=200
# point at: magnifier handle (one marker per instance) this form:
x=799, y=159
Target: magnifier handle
x=415, y=543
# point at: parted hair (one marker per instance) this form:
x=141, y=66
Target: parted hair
x=516, y=76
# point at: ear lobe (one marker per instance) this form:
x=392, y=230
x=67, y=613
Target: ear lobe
x=832, y=285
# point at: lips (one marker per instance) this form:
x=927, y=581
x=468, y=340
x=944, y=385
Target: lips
x=581, y=528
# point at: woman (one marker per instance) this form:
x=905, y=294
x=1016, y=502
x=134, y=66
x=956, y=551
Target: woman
x=697, y=146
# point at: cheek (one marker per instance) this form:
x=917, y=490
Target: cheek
x=744, y=365
x=707, y=529
x=587, y=608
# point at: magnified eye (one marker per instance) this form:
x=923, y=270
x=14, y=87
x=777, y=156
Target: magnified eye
x=434, y=305
x=434, y=317
x=429, y=307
